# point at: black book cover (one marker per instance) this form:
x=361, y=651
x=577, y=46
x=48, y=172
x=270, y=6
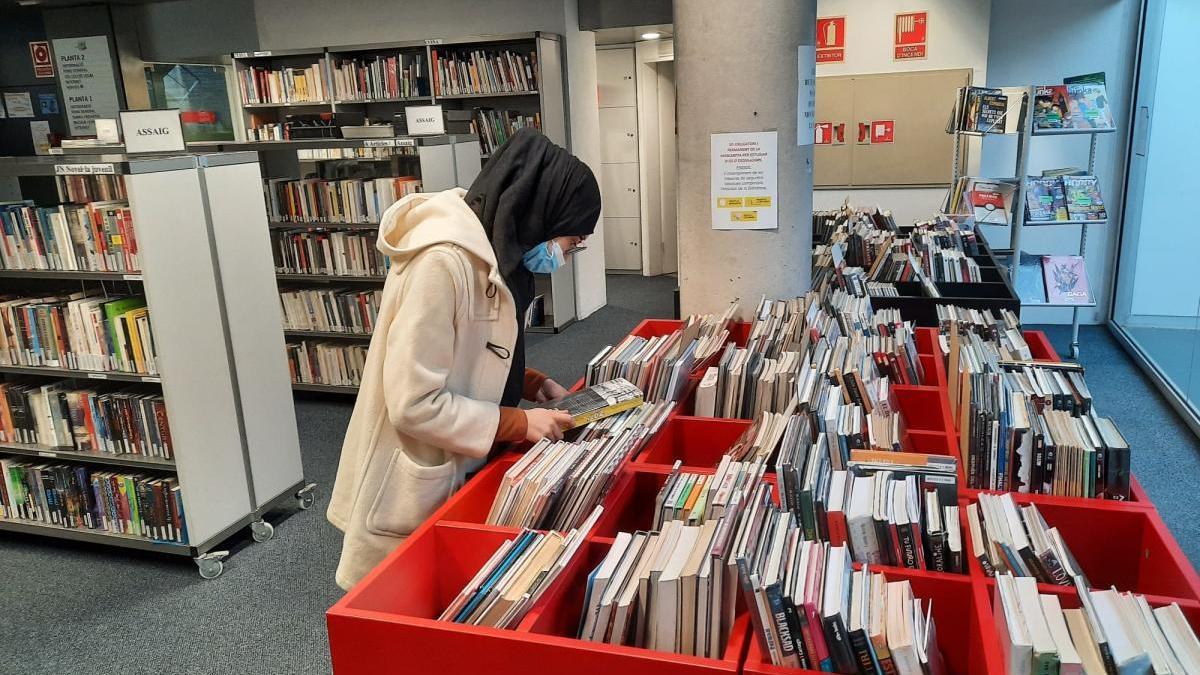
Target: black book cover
x=787, y=625
x=1048, y=467
x=908, y=548
x=838, y=643
x=937, y=550
x=864, y=653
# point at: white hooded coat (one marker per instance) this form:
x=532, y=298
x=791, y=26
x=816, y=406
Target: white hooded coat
x=428, y=406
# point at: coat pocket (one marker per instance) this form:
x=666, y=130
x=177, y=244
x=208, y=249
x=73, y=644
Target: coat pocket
x=409, y=494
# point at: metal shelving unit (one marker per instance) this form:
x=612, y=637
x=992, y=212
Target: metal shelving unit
x=220, y=358
x=325, y=388
x=329, y=278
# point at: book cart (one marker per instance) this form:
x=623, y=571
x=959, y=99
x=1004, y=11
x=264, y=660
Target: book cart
x=1025, y=134
x=547, y=102
x=387, y=623
x=220, y=362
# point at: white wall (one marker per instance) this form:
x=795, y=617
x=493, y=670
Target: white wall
x=958, y=38
x=1165, y=282
x=1038, y=42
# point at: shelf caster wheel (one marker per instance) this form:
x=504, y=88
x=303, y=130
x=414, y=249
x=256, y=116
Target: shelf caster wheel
x=262, y=531
x=211, y=564
x=307, y=496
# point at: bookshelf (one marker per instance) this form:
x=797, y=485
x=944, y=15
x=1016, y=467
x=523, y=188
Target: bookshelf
x=1025, y=134
x=219, y=367
x=440, y=162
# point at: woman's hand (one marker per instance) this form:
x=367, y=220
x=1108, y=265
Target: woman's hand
x=545, y=423
x=549, y=391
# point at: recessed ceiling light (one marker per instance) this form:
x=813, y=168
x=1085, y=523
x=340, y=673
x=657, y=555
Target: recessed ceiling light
x=652, y=35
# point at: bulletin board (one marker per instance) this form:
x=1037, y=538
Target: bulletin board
x=886, y=129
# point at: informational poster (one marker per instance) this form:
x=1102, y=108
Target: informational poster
x=18, y=103
x=831, y=39
x=911, y=35
x=830, y=133
x=806, y=94
x=89, y=86
x=744, y=183
x=39, y=53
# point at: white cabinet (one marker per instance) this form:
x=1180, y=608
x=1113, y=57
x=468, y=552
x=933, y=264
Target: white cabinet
x=615, y=85
x=622, y=243
x=619, y=189
x=618, y=135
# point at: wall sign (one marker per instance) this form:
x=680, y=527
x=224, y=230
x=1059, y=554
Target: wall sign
x=830, y=133
x=89, y=86
x=831, y=39
x=910, y=35
x=744, y=181
x=48, y=104
x=883, y=131
x=152, y=131
x=425, y=120
x=19, y=104
x=43, y=65
x=806, y=94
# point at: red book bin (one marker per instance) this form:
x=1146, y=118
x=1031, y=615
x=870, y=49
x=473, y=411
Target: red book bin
x=388, y=624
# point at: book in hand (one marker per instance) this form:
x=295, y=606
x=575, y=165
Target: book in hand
x=1066, y=279
x=514, y=578
x=1050, y=108
x=598, y=401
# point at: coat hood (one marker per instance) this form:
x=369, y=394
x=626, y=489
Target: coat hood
x=425, y=219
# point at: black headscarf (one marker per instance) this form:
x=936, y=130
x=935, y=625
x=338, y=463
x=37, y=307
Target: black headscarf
x=529, y=192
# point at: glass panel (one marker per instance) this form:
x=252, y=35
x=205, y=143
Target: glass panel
x=1158, y=295
x=199, y=92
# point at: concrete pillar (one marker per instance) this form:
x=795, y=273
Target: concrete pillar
x=736, y=71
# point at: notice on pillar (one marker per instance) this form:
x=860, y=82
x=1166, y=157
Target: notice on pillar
x=744, y=187
x=806, y=94
x=89, y=86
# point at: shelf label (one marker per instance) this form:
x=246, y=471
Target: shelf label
x=43, y=453
x=406, y=142
x=132, y=277
x=379, y=143
x=97, y=376
x=83, y=169
x=433, y=42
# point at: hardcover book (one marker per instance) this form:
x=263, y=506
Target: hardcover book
x=1066, y=279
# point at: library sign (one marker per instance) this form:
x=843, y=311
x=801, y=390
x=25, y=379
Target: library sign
x=89, y=87
x=744, y=192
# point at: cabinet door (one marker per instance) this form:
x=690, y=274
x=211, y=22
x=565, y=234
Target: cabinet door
x=623, y=243
x=615, y=85
x=618, y=135
x=835, y=105
x=619, y=189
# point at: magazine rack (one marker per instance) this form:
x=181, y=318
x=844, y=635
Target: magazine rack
x=387, y=623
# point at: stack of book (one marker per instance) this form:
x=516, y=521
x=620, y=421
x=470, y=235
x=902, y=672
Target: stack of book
x=352, y=200
x=555, y=485
x=696, y=498
x=1008, y=539
x=334, y=253
x=81, y=331
x=514, y=578
x=261, y=84
x=91, y=188
x=59, y=414
x=324, y=154
x=80, y=497
x=483, y=71
x=1065, y=195
x=661, y=365
x=333, y=310
x=379, y=77
x=1111, y=632
x=495, y=127
x=1031, y=427
x=95, y=237
x=329, y=363
x=1004, y=332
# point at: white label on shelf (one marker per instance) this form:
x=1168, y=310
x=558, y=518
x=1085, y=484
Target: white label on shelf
x=266, y=53
x=43, y=453
x=425, y=120
x=152, y=131
x=431, y=42
x=83, y=169
x=406, y=142
x=379, y=143
x=132, y=277
x=97, y=376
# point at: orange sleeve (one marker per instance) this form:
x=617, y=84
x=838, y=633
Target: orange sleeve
x=513, y=425
x=533, y=382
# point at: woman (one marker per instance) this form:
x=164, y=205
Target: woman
x=446, y=367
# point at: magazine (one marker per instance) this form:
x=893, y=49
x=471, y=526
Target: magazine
x=1045, y=201
x=1083, y=198
x=1066, y=279
x=1088, y=106
x=1050, y=109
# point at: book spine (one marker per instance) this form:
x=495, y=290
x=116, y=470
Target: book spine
x=790, y=644
x=864, y=653
x=839, y=644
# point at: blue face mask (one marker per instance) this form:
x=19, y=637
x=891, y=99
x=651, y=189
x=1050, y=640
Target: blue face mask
x=544, y=258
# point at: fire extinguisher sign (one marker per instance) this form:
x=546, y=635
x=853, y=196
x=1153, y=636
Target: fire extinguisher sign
x=910, y=35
